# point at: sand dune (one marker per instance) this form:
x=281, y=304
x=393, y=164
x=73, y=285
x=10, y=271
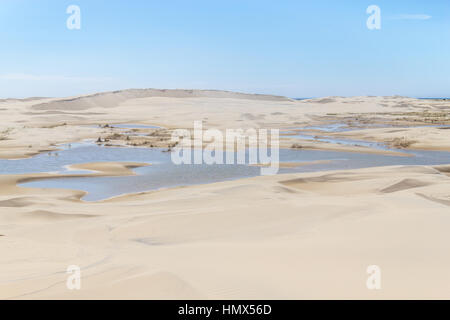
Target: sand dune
x=294, y=236
x=115, y=98
x=405, y=184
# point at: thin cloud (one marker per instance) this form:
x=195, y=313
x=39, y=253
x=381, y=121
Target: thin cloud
x=33, y=77
x=405, y=16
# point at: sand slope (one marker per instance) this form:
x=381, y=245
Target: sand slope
x=288, y=236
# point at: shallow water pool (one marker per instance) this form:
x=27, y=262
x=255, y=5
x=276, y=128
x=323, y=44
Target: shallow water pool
x=164, y=174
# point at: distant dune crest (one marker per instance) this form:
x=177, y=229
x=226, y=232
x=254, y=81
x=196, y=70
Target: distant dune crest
x=114, y=98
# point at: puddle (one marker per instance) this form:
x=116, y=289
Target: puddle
x=339, y=127
x=332, y=127
x=342, y=127
x=164, y=174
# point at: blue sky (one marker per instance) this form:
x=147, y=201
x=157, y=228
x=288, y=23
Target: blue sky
x=293, y=48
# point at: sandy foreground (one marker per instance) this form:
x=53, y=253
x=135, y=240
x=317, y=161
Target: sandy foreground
x=294, y=236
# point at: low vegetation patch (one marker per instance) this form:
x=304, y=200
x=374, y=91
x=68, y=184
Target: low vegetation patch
x=401, y=143
x=5, y=133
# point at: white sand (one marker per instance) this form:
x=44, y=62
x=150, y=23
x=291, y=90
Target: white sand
x=283, y=237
